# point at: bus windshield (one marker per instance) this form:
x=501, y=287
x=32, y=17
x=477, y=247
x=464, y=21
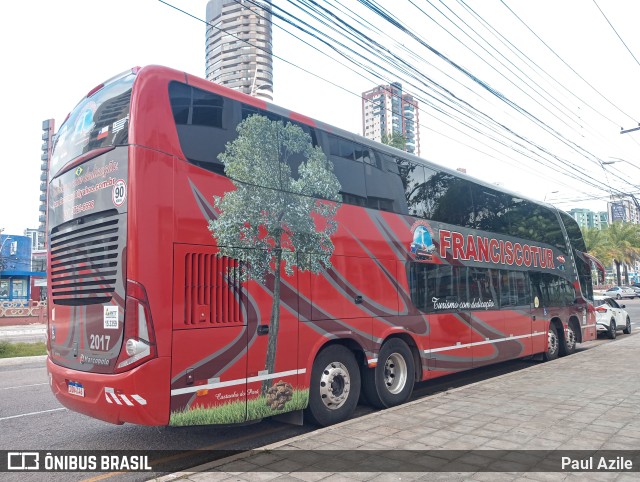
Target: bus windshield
x=100, y=120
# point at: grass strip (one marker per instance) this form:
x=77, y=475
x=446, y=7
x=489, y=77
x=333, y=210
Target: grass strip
x=12, y=350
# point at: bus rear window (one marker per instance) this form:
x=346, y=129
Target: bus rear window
x=99, y=120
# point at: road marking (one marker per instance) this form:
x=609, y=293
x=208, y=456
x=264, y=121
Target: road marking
x=24, y=386
x=32, y=413
x=186, y=454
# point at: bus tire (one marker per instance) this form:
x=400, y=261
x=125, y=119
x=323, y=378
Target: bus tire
x=569, y=341
x=335, y=386
x=391, y=382
x=553, y=344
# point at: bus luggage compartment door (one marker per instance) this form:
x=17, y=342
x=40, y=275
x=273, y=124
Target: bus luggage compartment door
x=210, y=335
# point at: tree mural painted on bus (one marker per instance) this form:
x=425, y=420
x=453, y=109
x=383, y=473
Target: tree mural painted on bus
x=281, y=214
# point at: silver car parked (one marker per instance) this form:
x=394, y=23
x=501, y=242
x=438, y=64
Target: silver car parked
x=619, y=292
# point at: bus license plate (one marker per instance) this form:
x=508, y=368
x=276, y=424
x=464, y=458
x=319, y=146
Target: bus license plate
x=76, y=388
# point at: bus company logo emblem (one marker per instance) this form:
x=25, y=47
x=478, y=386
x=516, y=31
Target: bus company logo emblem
x=79, y=171
x=422, y=245
x=23, y=461
x=561, y=259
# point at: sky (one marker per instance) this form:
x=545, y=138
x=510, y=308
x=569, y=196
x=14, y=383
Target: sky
x=527, y=95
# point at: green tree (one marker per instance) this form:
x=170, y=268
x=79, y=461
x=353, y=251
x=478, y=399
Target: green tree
x=281, y=214
x=596, y=241
x=623, y=239
x=395, y=139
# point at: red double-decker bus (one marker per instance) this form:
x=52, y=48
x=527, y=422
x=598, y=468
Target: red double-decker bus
x=217, y=259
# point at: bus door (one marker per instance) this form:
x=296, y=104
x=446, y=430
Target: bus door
x=213, y=315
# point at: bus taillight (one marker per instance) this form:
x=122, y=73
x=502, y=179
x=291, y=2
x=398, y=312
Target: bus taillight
x=139, y=339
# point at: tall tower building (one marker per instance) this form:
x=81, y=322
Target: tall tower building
x=239, y=46
x=387, y=110
x=623, y=209
x=48, y=131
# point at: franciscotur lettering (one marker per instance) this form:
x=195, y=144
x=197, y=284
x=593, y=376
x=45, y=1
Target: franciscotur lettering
x=490, y=250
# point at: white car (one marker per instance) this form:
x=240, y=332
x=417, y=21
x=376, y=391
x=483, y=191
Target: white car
x=610, y=316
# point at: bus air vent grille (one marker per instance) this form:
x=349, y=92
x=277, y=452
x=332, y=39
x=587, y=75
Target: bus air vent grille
x=84, y=260
x=213, y=290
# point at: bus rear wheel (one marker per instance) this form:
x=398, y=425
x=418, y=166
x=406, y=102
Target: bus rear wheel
x=335, y=386
x=570, y=341
x=553, y=344
x=391, y=382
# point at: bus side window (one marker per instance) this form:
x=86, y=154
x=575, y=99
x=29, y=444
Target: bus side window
x=413, y=180
x=531, y=221
x=207, y=109
x=483, y=285
x=204, y=122
x=350, y=173
x=436, y=287
x=552, y=290
x=384, y=185
x=450, y=199
x=491, y=208
x=515, y=289
x=294, y=160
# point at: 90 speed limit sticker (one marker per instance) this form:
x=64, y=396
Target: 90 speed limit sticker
x=119, y=194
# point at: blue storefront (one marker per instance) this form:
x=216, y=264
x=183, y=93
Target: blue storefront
x=15, y=268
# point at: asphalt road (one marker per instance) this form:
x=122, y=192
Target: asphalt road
x=32, y=419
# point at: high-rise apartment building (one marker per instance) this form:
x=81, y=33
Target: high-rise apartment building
x=48, y=132
x=623, y=209
x=386, y=110
x=239, y=46
x=586, y=218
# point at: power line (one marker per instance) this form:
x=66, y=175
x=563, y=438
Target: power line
x=565, y=63
x=473, y=113
x=616, y=32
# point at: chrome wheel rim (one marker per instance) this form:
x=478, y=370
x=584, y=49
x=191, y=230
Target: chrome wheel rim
x=553, y=342
x=335, y=384
x=571, y=338
x=395, y=373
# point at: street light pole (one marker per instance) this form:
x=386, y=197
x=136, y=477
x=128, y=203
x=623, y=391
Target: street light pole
x=625, y=131
x=618, y=159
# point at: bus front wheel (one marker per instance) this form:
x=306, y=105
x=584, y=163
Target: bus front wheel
x=391, y=382
x=335, y=386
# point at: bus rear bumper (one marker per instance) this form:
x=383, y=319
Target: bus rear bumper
x=139, y=396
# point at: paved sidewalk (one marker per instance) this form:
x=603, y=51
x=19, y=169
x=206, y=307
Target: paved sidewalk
x=587, y=401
